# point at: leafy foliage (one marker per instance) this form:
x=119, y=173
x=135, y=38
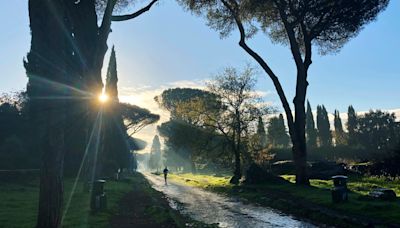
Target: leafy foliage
x=171, y=99
x=340, y=135
x=277, y=134
x=186, y=134
x=351, y=125
x=311, y=132
x=323, y=125
x=330, y=24
x=136, y=118
x=377, y=130
x=17, y=144
x=155, y=154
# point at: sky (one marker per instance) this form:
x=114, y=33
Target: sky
x=169, y=47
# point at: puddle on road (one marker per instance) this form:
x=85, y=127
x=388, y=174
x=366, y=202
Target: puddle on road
x=211, y=208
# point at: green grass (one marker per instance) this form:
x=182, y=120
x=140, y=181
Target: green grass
x=358, y=204
x=282, y=195
x=79, y=213
x=18, y=204
x=125, y=200
x=361, y=185
x=203, y=181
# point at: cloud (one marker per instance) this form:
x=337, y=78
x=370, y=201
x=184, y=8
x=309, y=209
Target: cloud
x=196, y=84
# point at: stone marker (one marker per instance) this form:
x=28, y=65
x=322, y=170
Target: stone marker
x=383, y=193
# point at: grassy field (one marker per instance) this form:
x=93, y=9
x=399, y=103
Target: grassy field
x=18, y=204
x=317, y=198
x=130, y=203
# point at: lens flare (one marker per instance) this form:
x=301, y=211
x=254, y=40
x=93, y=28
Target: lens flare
x=103, y=98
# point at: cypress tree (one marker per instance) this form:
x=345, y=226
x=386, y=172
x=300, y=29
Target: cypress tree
x=155, y=154
x=311, y=132
x=112, y=77
x=324, y=132
x=340, y=138
x=277, y=134
x=351, y=125
x=115, y=154
x=283, y=135
x=262, y=135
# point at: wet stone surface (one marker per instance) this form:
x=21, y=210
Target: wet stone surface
x=212, y=208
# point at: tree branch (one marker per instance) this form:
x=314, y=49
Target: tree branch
x=267, y=69
x=308, y=47
x=133, y=15
x=294, y=46
x=106, y=22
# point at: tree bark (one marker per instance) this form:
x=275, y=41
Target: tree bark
x=299, y=139
x=237, y=174
x=51, y=179
x=46, y=70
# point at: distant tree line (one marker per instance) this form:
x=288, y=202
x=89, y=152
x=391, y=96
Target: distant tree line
x=201, y=133
x=17, y=146
x=369, y=136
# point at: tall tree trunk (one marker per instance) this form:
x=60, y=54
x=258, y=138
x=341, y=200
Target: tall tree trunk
x=51, y=179
x=299, y=136
x=193, y=165
x=45, y=68
x=237, y=174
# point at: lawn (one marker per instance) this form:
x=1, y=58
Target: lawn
x=203, y=181
x=18, y=204
x=291, y=198
x=130, y=203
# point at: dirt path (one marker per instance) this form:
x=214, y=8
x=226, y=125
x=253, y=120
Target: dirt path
x=212, y=208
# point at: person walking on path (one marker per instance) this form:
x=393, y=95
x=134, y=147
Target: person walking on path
x=165, y=174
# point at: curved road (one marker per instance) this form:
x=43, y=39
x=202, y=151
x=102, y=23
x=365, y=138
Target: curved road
x=212, y=208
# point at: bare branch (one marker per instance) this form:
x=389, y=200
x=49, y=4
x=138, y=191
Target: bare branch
x=133, y=15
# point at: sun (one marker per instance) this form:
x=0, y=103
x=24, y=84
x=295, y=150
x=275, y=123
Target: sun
x=103, y=98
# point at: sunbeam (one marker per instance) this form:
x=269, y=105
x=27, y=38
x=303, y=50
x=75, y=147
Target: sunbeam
x=97, y=145
x=80, y=169
x=60, y=86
